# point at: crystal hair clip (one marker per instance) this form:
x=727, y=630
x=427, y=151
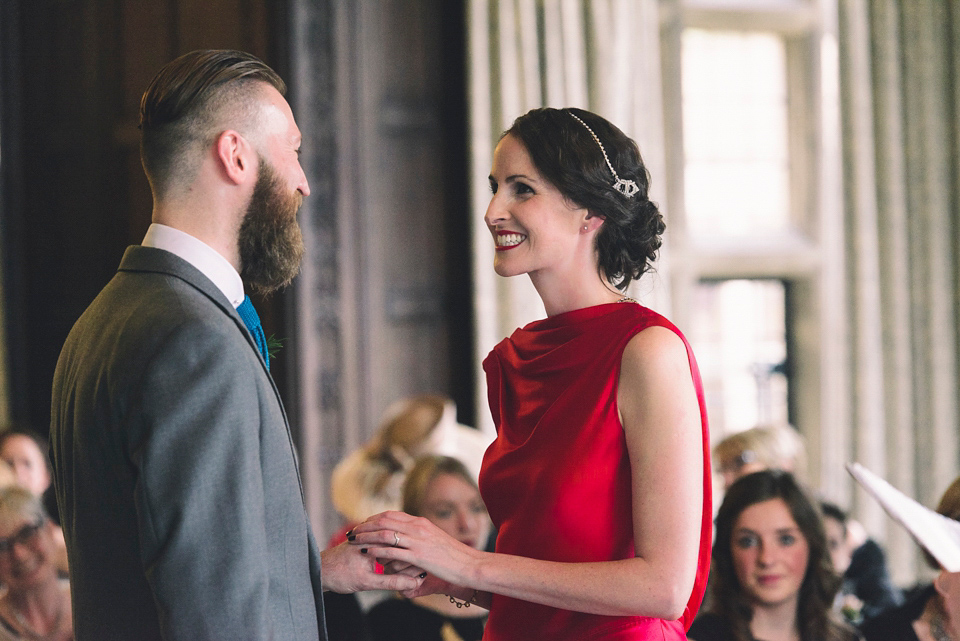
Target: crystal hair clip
x=626, y=187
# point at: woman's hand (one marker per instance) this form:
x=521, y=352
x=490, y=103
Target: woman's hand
x=393, y=537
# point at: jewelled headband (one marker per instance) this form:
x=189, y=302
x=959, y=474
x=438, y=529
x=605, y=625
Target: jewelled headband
x=626, y=187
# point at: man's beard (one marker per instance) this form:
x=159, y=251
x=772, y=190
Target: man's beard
x=270, y=242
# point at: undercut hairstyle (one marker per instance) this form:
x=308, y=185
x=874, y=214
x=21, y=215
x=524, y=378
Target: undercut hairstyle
x=568, y=157
x=815, y=619
x=187, y=105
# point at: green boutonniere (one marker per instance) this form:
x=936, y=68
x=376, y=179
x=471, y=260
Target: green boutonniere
x=274, y=344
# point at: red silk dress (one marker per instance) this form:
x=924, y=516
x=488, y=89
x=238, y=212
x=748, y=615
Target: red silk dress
x=557, y=479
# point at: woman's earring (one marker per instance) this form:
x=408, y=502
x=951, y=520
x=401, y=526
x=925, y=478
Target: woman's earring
x=584, y=228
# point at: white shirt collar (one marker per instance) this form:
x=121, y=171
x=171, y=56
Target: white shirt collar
x=199, y=254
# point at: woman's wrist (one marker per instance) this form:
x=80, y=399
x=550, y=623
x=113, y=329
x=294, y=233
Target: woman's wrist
x=466, y=602
x=462, y=594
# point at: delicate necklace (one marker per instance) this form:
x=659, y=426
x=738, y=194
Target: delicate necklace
x=627, y=299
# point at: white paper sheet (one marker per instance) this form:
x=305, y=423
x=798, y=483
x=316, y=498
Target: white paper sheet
x=939, y=535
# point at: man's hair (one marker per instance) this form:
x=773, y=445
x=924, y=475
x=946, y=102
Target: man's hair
x=183, y=108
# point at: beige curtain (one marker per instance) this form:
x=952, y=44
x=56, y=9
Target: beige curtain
x=601, y=55
x=900, y=100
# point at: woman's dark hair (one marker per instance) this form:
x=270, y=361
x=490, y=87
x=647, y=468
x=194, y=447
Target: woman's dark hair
x=568, y=157
x=815, y=620
x=833, y=511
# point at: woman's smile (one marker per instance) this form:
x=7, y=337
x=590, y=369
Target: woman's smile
x=508, y=240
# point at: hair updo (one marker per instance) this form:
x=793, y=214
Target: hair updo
x=568, y=157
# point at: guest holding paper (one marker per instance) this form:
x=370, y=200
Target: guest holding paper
x=924, y=616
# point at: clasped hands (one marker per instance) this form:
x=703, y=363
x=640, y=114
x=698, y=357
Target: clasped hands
x=412, y=546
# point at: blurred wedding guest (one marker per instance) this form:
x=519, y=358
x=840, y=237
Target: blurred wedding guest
x=7, y=475
x=772, y=576
x=923, y=616
x=369, y=480
x=778, y=447
x=36, y=604
x=440, y=489
x=25, y=451
x=866, y=589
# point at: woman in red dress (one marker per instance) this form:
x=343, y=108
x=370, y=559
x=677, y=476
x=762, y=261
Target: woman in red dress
x=599, y=479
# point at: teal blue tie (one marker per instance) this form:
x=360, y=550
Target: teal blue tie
x=250, y=318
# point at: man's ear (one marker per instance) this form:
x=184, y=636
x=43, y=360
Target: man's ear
x=236, y=156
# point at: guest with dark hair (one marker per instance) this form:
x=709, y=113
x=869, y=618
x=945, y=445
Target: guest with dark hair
x=599, y=480
x=26, y=452
x=866, y=589
x=772, y=575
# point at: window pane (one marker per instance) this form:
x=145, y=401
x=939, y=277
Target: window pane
x=738, y=333
x=735, y=132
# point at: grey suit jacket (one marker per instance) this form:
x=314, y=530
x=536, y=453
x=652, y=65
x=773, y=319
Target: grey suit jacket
x=175, y=472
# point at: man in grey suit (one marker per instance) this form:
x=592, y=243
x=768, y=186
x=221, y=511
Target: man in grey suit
x=175, y=471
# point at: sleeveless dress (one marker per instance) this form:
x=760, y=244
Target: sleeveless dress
x=557, y=481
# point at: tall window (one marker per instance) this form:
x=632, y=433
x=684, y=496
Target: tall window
x=746, y=263
x=737, y=168
x=739, y=331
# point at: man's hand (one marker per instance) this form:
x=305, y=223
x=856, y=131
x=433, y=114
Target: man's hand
x=345, y=569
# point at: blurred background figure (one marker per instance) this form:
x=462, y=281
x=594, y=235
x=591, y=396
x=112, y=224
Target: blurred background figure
x=369, y=480
x=25, y=451
x=772, y=576
x=867, y=588
x=441, y=489
x=765, y=447
x=924, y=614
x=36, y=604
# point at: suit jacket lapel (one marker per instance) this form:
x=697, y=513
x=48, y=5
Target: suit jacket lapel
x=152, y=260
